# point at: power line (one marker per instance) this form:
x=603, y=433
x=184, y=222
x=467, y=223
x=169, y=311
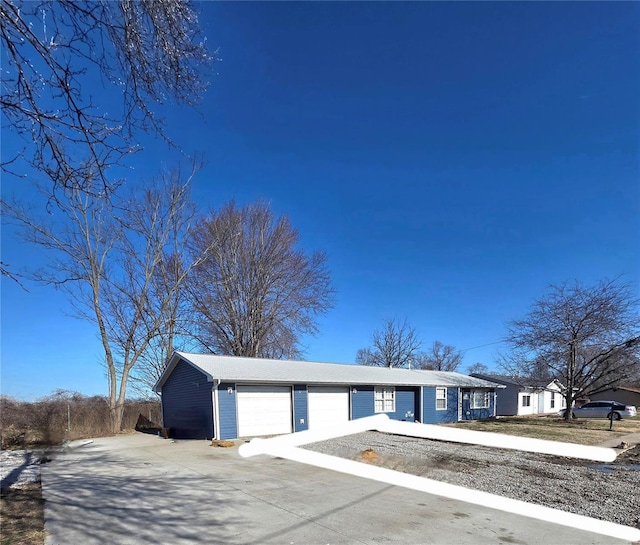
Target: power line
x=483, y=345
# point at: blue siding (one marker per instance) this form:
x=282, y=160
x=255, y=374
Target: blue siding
x=227, y=407
x=477, y=414
x=508, y=400
x=300, y=408
x=363, y=403
x=187, y=405
x=430, y=414
x=405, y=404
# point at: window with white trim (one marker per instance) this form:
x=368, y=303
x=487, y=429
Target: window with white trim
x=441, y=399
x=526, y=401
x=553, y=400
x=480, y=399
x=385, y=399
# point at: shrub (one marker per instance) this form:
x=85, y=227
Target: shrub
x=64, y=415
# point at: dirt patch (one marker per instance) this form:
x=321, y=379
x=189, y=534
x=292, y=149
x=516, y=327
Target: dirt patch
x=368, y=455
x=222, y=443
x=630, y=456
x=22, y=516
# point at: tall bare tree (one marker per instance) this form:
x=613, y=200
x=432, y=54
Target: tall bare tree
x=56, y=54
x=440, y=357
x=255, y=292
x=588, y=337
x=107, y=255
x=395, y=345
x=169, y=305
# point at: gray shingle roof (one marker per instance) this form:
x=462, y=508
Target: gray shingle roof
x=233, y=368
x=522, y=382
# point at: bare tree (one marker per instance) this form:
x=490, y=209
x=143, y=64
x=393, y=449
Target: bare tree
x=55, y=54
x=585, y=336
x=169, y=306
x=395, y=345
x=106, y=255
x=440, y=357
x=479, y=368
x=255, y=291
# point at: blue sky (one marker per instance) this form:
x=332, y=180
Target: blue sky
x=453, y=160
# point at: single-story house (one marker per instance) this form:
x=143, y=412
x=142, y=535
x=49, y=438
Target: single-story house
x=622, y=394
x=522, y=396
x=226, y=397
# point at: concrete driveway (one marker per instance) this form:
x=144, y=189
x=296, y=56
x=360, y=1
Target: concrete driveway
x=140, y=489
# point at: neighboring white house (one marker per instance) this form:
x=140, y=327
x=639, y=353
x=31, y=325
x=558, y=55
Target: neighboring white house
x=522, y=396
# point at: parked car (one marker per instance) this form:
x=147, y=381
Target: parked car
x=602, y=409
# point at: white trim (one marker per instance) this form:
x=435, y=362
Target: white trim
x=384, y=390
x=439, y=399
x=216, y=410
x=485, y=396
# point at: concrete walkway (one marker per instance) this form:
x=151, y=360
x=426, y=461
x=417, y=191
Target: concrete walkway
x=140, y=489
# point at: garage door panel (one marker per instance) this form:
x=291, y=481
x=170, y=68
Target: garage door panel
x=264, y=410
x=328, y=406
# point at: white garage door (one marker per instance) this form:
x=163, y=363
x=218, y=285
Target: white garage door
x=328, y=406
x=264, y=410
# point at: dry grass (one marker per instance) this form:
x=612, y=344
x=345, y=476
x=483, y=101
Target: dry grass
x=22, y=513
x=585, y=432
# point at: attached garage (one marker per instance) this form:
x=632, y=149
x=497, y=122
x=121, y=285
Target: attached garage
x=264, y=410
x=328, y=406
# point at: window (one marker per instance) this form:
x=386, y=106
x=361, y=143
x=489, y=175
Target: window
x=526, y=401
x=441, y=399
x=385, y=400
x=480, y=399
x=553, y=400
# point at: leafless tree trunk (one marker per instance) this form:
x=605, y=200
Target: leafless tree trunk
x=106, y=254
x=395, y=345
x=146, y=52
x=255, y=292
x=441, y=357
x=585, y=336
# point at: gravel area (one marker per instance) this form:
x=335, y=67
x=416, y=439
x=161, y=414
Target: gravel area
x=608, y=492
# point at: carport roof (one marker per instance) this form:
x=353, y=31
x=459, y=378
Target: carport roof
x=260, y=370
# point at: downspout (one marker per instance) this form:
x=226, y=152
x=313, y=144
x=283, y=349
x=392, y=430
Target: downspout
x=216, y=411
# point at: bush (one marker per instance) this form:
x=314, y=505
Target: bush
x=64, y=415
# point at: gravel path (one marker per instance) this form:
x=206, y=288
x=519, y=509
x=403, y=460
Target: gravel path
x=608, y=492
